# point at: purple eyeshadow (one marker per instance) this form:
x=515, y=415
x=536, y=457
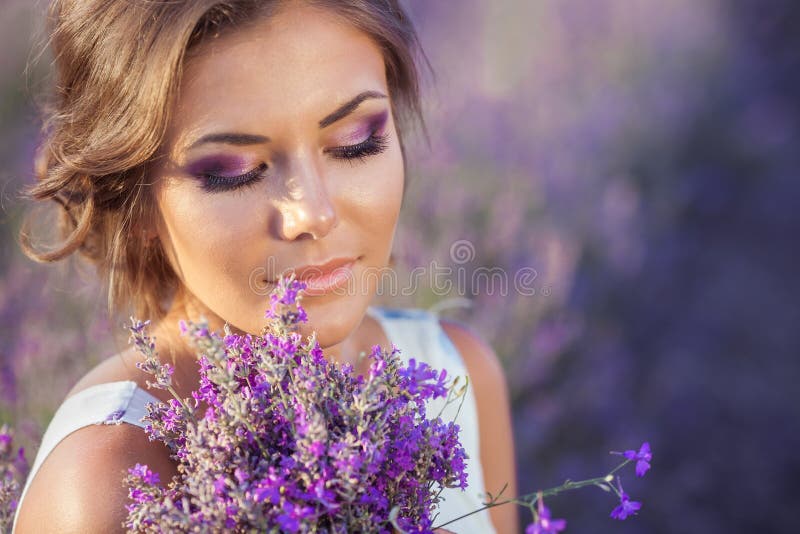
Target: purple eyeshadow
x=377, y=122
x=218, y=165
x=373, y=124
x=227, y=166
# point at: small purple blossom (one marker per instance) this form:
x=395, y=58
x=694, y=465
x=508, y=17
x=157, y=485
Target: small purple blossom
x=418, y=374
x=544, y=524
x=241, y=475
x=643, y=457
x=284, y=296
x=14, y=470
x=626, y=506
x=144, y=472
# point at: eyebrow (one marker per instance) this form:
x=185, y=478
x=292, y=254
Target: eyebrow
x=348, y=107
x=242, y=139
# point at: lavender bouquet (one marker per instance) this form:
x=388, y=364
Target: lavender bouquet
x=289, y=442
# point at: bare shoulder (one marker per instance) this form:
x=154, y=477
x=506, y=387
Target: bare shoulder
x=496, y=441
x=482, y=363
x=80, y=488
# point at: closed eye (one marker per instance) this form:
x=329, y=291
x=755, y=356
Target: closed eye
x=213, y=183
x=375, y=144
x=371, y=146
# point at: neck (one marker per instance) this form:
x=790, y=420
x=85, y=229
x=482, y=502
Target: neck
x=347, y=350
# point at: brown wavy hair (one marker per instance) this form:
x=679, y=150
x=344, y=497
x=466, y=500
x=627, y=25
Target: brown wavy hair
x=117, y=69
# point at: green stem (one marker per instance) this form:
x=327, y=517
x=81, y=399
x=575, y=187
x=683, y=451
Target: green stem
x=186, y=408
x=247, y=423
x=448, y=400
x=286, y=401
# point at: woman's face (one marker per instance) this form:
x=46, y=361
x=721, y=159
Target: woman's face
x=281, y=152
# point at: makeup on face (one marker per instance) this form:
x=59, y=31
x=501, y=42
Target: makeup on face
x=224, y=165
x=373, y=125
x=319, y=90
x=232, y=166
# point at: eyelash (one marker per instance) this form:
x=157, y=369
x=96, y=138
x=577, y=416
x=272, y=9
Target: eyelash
x=373, y=145
x=214, y=184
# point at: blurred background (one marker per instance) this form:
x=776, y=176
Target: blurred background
x=640, y=158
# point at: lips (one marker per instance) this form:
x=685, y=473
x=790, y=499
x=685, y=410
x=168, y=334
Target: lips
x=325, y=278
x=310, y=271
x=306, y=272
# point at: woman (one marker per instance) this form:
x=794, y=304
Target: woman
x=199, y=149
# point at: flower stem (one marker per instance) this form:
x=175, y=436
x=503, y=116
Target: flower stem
x=186, y=408
x=531, y=498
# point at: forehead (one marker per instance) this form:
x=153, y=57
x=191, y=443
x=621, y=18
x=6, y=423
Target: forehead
x=291, y=68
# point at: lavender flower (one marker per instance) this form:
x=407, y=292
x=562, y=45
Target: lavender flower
x=13, y=471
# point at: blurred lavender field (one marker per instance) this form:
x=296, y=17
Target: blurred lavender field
x=640, y=157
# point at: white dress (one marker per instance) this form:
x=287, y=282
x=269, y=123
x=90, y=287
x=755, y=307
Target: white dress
x=416, y=332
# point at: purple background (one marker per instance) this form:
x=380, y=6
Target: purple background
x=642, y=157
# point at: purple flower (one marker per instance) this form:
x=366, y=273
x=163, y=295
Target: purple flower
x=291, y=516
x=241, y=475
x=626, y=506
x=417, y=375
x=144, y=472
x=544, y=524
x=13, y=470
x=642, y=457
x=219, y=485
x=138, y=326
x=267, y=490
x=139, y=496
x=285, y=295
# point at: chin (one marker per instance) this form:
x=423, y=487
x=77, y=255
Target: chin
x=333, y=320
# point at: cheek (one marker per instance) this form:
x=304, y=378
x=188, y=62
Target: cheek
x=204, y=231
x=373, y=192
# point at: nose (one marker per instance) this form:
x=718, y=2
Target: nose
x=308, y=209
